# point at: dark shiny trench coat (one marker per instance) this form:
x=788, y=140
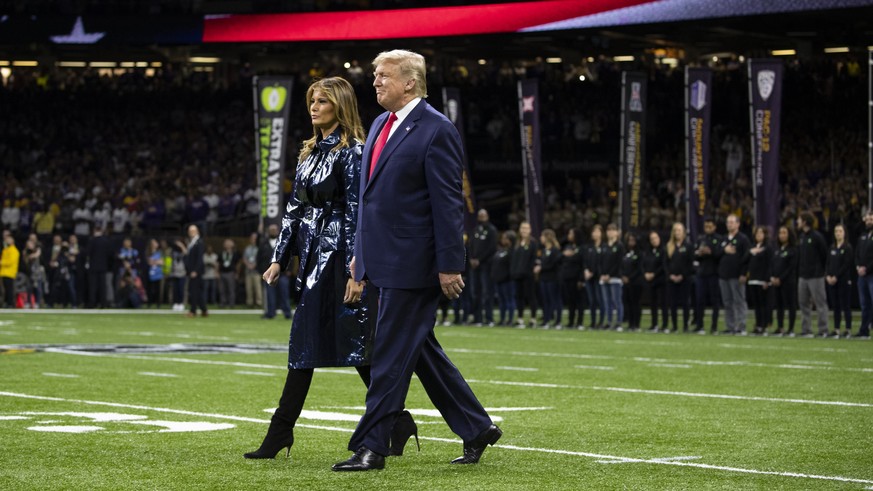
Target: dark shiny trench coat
x=319, y=227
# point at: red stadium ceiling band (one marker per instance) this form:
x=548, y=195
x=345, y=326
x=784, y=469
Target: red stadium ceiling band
x=406, y=23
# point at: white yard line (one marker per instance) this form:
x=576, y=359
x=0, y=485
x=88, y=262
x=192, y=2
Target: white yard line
x=676, y=393
x=675, y=461
x=497, y=382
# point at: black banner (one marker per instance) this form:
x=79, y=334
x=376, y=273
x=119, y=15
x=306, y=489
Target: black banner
x=272, y=102
x=698, y=103
x=452, y=109
x=870, y=131
x=765, y=110
x=633, y=139
x=529, y=113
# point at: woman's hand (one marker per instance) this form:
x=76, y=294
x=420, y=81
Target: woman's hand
x=271, y=275
x=354, y=290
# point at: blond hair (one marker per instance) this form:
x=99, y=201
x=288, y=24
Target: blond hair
x=671, y=244
x=411, y=65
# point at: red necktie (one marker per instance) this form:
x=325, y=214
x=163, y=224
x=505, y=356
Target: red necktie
x=380, y=142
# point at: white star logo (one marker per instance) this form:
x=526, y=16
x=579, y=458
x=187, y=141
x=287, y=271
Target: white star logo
x=527, y=104
x=78, y=35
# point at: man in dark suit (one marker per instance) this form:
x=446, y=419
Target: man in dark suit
x=99, y=255
x=409, y=246
x=194, y=268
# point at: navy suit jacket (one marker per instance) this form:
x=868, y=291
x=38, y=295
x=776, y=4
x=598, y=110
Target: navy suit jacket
x=410, y=216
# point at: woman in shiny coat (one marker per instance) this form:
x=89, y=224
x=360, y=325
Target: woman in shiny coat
x=334, y=320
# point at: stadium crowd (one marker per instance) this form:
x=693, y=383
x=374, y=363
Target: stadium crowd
x=151, y=154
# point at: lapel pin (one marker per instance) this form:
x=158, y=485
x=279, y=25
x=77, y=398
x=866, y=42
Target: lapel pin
x=408, y=128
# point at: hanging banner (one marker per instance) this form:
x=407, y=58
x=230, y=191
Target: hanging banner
x=765, y=111
x=633, y=138
x=452, y=109
x=698, y=99
x=870, y=131
x=271, y=100
x=529, y=112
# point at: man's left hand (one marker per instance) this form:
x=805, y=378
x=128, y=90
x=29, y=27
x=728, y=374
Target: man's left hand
x=452, y=284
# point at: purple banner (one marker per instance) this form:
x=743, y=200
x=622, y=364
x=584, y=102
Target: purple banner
x=765, y=110
x=272, y=99
x=452, y=109
x=633, y=139
x=529, y=111
x=698, y=104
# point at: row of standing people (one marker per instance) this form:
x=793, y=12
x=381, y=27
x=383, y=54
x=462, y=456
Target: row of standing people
x=611, y=278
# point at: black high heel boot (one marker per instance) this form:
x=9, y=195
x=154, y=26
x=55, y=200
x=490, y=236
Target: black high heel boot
x=404, y=427
x=279, y=436
x=281, y=431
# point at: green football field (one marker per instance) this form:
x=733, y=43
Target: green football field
x=158, y=401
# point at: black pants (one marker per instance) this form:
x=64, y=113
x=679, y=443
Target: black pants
x=525, y=293
x=841, y=303
x=154, y=292
x=572, y=297
x=658, y=301
x=9, y=292
x=679, y=295
x=195, y=294
x=97, y=289
x=759, y=297
x=634, y=311
x=785, y=296
x=707, y=293
x=483, y=293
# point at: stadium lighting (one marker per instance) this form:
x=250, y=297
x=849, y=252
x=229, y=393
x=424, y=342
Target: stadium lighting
x=840, y=49
x=5, y=72
x=590, y=59
x=623, y=58
x=127, y=64
x=742, y=59
x=347, y=65
x=157, y=64
x=103, y=64
x=783, y=52
x=483, y=61
x=4, y=62
x=25, y=63
x=553, y=60
x=582, y=78
x=715, y=59
x=204, y=59
x=72, y=64
x=671, y=62
x=142, y=64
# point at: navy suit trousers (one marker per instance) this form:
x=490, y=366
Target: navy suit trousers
x=405, y=343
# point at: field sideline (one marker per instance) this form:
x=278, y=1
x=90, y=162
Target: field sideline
x=135, y=400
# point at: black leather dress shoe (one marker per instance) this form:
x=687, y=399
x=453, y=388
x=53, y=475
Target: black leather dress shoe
x=363, y=460
x=473, y=450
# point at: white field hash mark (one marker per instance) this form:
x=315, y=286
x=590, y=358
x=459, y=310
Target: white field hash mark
x=497, y=382
x=673, y=461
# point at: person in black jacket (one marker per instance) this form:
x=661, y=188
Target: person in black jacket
x=783, y=281
x=707, y=252
x=524, y=258
x=760, y=272
x=547, y=270
x=194, y=268
x=632, y=277
x=863, y=265
x=610, y=277
x=500, y=275
x=482, y=249
x=812, y=253
x=100, y=256
x=679, y=268
x=591, y=273
x=839, y=280
x=572, y=279
x=654, y=277
x=732, y=269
